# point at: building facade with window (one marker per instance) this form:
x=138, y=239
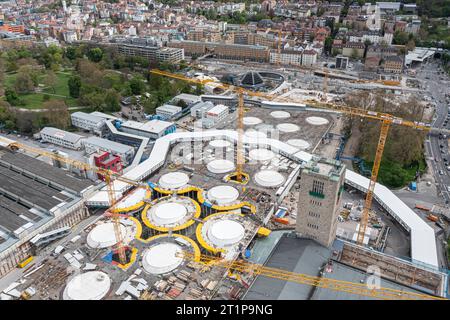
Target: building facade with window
x=321, y=186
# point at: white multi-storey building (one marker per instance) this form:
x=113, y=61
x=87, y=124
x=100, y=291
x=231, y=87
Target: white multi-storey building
x=61, y=138
x=287, y=57
x=88, y=122
x=309, y=58
x=218, y=113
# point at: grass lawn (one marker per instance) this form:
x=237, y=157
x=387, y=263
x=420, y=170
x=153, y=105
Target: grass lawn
x=35, y=100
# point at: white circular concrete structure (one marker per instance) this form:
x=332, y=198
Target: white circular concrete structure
x=251, y=121
x=162, y=258
x=269, y=178
x=225, y=232
x=92, y=285
x=223, y=194
x=168, y=213
x=288, y=127
x=261, y=154
x=298, y=143
x=280, y=114
x=317, y=121
x=220, y=144
x=173, y=180
x=219, y=166
x=103, y=236
x=132, y=199
x=255, y=134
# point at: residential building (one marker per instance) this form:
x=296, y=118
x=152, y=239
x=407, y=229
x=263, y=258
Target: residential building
x=287, y=57
x=321, y=187
x=353, y=49
x=309, y=58
x=392, y=64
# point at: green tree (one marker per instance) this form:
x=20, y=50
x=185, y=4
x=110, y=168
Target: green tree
x=112, y=100
x=95, y=54
x=137, y=85
x=24, y=82
x=74, y=84
x=400, y=37
x=51, y=80
x=12, y=97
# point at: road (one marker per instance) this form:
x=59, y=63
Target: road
x=437, y=89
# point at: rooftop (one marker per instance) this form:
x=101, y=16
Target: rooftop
x=61, y=134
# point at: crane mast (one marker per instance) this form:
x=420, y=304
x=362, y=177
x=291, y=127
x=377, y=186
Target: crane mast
x=320, y=282
x=385, y=118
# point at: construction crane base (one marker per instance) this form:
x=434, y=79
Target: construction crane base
x=238, y=177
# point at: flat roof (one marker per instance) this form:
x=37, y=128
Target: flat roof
x=87, y=116
x=108, y=144
x=152, y=126
x=295, y=255
x=61, y=134
x=346, y=273
x=44, y=171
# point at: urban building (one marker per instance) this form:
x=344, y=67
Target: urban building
x=152, y=129
x=169, y=111
x=309, y=58
x=321, y=185
x=96, y=145
x=88, y=122
x=292, y=57
x=224, y=51
x=62, y=138
x=108, y=161
x=353, y=49
x=392, y=64
x=35, y=198
x=341, y=62
x=217, y=113
x=152, y=53
x=200, y=109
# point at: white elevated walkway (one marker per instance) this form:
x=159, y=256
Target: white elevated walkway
x=423, y=243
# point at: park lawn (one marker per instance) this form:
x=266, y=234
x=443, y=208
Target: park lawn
x=36, y=99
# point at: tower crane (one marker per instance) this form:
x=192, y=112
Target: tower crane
x=109, y=175
x=319, y=282
x=239, y=176
x=386, y=121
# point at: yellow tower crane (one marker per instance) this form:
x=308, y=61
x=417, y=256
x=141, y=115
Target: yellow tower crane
x=361, y=289
x=109, y=176
x=386, y=121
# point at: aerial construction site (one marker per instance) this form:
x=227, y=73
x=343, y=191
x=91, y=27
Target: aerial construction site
x=244, y=200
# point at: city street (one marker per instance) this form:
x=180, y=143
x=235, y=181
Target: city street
x=435, y=89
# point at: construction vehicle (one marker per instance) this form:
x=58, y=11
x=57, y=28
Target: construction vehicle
x=25, y=262
x=386, y=121
x=241, y=266
x=432, y=217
